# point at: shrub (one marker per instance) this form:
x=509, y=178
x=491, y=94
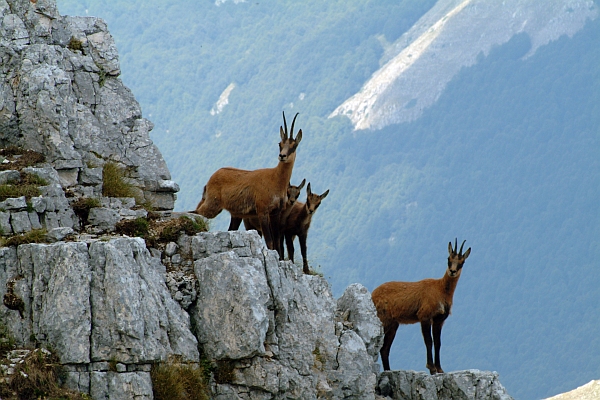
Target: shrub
x=82, y=207
x=175, y=380
x=113, y=182
x=33, y=236
x=38, y=378
x=133, y=227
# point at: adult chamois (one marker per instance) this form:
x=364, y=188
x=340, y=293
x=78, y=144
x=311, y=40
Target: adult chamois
x=428, y=301
x=261, y=193
x=298, y=222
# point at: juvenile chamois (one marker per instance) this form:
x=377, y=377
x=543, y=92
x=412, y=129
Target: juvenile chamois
x=259, y=193
x=298, y=222
x=293, y=192
x=428, y=301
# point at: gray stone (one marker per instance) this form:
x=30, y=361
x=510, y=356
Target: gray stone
x=9, y=176
x=103, y=218
x=34, y=219
x=68, y=177
x=121, y=385
x=233, y=319
x=5, y=227
x=49, y=174
x=14, y=203
x=38, y=204
x=20, y=222
x=91, y=176
x=356, y=305
x=58, y=234
x=170, y=249
x=468, y=385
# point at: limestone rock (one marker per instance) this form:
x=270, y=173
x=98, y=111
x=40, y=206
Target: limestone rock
x=468, y=385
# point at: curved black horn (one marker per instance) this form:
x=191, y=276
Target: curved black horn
x=285, y=131
x=292, y=131
x=461, y=247
x=455, y=245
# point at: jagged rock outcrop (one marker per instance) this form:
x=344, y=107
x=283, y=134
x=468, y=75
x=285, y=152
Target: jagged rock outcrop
x=280, y=331
x=464, y=385
x=60, y=95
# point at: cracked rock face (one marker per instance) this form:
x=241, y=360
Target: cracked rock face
x=60, y=95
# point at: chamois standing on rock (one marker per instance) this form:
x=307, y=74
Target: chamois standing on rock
x=260, y=193
x=428, y=301
x=298, y=222
x=293, y=192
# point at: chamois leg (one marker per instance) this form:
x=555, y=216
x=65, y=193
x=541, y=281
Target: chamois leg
x=302, y=239
x=426, y=331
x=437, y=344
x=388, y=339
x=289, y=244
x=275, y=228
x=234, y=224
x=265, y=227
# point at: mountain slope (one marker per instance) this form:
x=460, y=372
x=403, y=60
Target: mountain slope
x=452, y=35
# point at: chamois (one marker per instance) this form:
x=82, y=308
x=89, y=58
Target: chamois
x=298, y=222
x=293, y=192
x=259, y=193
x=428, y=301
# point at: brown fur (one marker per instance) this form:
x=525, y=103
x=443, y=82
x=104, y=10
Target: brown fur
x=298, y=222
x=293, y=193
x=259, y=193
x=428, y=301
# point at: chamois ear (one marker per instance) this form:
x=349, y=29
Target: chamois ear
x=467, y=253
x=302, y=184
x=298, y=137
x=282, y=133
x=324, y=194
x=450, y=250
x=308, y=191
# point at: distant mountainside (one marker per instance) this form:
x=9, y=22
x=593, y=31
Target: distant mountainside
x=452, y=35
x=506, y=157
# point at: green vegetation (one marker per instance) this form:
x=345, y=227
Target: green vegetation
x=27, y=186
x=38, y=377
x=33, y=236
x=19, y=158
x=177, y=380
x=133, y=227
x=114, y=183
x=83, y=205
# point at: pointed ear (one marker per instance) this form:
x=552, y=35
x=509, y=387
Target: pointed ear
x=324, y=194
x=302, y=184
x=308, y=191
x=450, y=248
x=282, y=134
x=467, y=253
x=298, y=137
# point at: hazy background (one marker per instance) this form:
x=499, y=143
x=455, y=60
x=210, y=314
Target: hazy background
x=508, y=158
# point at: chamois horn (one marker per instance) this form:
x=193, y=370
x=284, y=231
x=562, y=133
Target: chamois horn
x=461, y=247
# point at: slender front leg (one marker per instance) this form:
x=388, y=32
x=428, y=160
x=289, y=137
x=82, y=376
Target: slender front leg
x=274, y=222
x=437, y=343
x=265, y=226
x=289, y=243
x=426, y=331
x=302, y=239
x=234, y=223
x=388, y=339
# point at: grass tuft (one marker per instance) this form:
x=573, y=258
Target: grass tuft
x=175, y=380
x=33, y=236
x=113, y=182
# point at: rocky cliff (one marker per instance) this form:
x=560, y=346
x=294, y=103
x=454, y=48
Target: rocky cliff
x=75, y=278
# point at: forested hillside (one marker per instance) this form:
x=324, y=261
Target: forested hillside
x=508, y=159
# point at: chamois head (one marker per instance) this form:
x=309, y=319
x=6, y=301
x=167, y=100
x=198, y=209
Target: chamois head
x=313, y=201
x=293, y=192
x=456, y=259
x=287, y=146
